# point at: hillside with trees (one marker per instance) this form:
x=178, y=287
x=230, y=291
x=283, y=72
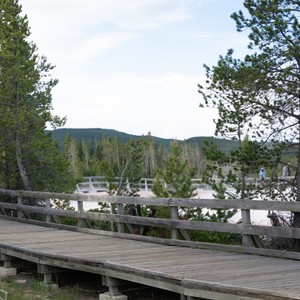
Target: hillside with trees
x=142, y=156
x=99, y=152
x=97, y=134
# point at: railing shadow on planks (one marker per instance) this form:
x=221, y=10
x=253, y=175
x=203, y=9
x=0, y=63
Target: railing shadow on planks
x=15, y=205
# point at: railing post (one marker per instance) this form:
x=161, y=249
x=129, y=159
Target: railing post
x=20, y=213
x=48, y=206
x=246, y=220
x=111, y=212
x=91, y=188
x=174, y=216
x=120, y=209
x=81, y=222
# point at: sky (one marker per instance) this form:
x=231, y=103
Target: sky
x=134, y=65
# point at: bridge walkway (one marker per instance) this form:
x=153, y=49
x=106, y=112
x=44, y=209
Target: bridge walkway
x=199, y=273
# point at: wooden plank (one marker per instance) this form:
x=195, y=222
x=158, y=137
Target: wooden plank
x=199, y=245
x=246, y=229
x=181, y=269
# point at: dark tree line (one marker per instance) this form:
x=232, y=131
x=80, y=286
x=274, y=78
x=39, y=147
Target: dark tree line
x=135, y=158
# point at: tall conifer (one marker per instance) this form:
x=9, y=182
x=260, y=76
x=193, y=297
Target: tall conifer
x=29, y=159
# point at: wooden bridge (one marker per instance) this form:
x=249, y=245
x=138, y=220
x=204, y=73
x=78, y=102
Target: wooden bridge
x=95, y=184
x=33, y=228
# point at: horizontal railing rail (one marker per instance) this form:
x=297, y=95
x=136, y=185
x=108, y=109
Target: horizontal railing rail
x=116, y=212
x=94, y=184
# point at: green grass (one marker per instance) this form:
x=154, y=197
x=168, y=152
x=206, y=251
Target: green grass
x=65, y=295
x=34, y=290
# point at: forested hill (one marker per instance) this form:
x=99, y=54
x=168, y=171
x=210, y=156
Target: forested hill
x=96, y=134
x=222, y=144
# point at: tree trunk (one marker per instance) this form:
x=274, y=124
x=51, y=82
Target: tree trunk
x=296, y=219
x=22, y=169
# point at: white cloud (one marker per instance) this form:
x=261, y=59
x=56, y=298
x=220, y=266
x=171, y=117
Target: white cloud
x=167, y=106
x=129, y=14
x=91, y=47
x=95, y=44
x=76, y=30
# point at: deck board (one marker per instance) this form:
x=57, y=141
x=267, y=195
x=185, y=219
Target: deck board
x=265, y=277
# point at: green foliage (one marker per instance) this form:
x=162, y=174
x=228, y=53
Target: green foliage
x=216, y=237
x=159, y=188
x=133, y=169
x=173, y=181
x=29, y=158
x=35, y=289
x=244, y=162
x=101, y=225
x=212, y=215
x=99, y=156
x=98, y=134
x=110, y=177
x=259, y=95
x=177, y=175
x=65, y=205
x=67, y=295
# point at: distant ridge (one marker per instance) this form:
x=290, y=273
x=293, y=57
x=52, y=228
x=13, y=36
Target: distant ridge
x=96, y=134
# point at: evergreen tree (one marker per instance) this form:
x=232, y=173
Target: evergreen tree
x=71, y=151
x=29, y=159
x=133, y=169
x=174, y=181
x=149, y=155
x=261, y=92
x=233, y=170
x=177, y=175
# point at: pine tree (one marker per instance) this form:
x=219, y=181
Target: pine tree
x=177, y=175
x=261, y=93
x=30, y=160
x=72, y=155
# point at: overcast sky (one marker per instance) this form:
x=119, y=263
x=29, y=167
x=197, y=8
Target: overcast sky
x=134, y=65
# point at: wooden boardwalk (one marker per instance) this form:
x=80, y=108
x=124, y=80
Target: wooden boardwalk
x=199, y=273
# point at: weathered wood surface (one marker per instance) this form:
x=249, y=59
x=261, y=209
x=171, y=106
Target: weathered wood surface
x=202, y=273
x=184, y=202
x=246, y=228
x=284, y=232
x=250, y=233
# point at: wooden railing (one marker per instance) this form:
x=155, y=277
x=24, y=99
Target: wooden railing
x=18, y=205
x=94, y=184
